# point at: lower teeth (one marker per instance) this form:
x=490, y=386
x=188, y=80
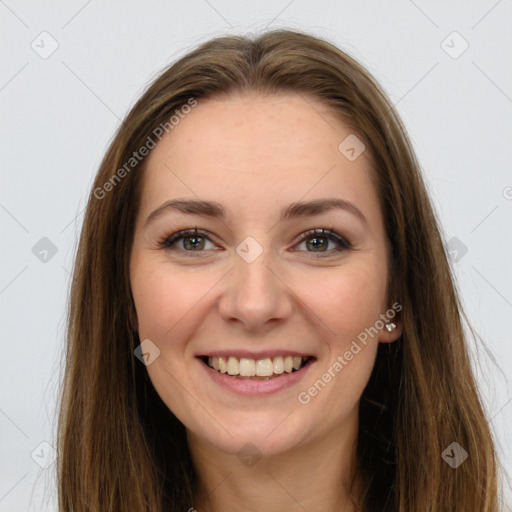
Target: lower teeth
x=257, y=377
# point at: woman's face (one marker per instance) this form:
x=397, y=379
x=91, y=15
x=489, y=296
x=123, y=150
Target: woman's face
x=253, y=287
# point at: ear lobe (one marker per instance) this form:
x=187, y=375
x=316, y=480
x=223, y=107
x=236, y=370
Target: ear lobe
x=388, y=335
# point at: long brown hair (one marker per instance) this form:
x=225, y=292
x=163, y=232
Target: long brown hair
x=121, y=449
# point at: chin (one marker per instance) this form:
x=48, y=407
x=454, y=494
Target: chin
x=266, y=436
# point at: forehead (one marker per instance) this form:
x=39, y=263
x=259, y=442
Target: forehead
x=249, y=151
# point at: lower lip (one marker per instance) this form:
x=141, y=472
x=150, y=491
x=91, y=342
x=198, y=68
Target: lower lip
x=258, y=387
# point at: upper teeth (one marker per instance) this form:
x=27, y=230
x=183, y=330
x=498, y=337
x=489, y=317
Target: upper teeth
x=256, y=367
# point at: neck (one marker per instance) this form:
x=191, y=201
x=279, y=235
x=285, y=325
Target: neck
x=315, y=475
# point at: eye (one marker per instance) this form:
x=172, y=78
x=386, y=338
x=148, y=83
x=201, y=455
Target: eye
x=320, y=238
x=193, y=240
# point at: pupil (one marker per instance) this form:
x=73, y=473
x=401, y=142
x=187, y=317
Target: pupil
x=322, y=242
x=194, y=244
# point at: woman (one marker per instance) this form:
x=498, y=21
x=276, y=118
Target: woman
x=215, y=360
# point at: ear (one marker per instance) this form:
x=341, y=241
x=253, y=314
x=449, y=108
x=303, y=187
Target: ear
x=387, y=336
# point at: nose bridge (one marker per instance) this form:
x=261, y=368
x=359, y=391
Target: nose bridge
x=255, y=293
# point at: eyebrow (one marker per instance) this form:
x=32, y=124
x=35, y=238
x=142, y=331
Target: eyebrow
x=292, y=211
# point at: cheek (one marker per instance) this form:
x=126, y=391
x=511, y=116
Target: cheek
x=346, y=300
x=163, y=297
x=348, y=303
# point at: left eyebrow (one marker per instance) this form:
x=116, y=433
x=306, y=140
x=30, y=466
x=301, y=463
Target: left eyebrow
x=292, y=211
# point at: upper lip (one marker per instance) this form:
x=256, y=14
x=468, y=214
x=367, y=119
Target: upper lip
x=253, y=355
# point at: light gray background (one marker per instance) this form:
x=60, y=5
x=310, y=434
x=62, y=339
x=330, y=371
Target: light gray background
x=60, y=112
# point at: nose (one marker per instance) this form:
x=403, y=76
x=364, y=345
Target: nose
x=255, y=295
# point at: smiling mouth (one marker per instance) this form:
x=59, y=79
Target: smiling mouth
x=260, y=369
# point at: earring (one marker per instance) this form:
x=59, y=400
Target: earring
x=390, y=326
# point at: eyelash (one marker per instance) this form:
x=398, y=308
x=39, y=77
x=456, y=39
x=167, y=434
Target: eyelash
x=344, y=245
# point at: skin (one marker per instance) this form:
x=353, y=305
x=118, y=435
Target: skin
x=256, y=155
